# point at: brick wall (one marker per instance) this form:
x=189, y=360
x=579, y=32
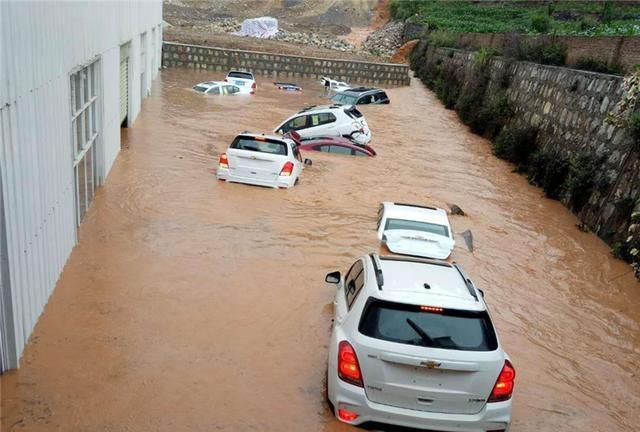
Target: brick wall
x=221, y=59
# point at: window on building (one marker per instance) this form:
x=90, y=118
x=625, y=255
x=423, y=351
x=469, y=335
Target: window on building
x=84, y=128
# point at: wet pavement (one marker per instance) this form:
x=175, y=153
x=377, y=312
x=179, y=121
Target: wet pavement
x=195, y=305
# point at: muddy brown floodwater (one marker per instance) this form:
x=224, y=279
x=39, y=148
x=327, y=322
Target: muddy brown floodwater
x=195, y=305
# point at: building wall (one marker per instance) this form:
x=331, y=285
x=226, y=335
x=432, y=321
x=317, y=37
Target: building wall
x=220, y=59
x=41, y=44
x=569, y=108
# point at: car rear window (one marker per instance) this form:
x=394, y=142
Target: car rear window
x=263, y=146
x=242, y=75
x=434, y=327
x=353, y=112
x=345, y=99
x=401, y=224
x=200, y=89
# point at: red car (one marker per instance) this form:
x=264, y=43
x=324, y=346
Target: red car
x=332, y=144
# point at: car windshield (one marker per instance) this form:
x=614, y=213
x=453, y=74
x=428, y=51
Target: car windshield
x=343, y=98
x=200, y=89
x=242, y=75
x=262, y=145
x=434, y=328
x=402, y=224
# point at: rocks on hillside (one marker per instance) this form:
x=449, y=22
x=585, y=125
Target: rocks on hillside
x=315, y=40
x=386, y=41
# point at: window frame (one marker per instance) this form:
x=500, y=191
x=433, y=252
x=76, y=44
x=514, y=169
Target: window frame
x=356, y=290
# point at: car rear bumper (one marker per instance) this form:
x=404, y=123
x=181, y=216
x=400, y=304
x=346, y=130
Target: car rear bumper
x=494, y=416
x=362, y=138
x=280, y=182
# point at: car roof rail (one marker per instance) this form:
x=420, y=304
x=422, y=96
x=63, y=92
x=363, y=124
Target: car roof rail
x=377, y=269
x=307, y=108
x=415, y=205
x=467, y=281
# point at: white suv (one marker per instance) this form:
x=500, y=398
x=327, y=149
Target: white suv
x=244, y=80
x=411, y=229
x=328, y=120
x=413, y=345
x=261, y=160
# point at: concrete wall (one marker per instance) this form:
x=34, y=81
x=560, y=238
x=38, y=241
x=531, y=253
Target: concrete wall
x=41, y=44
x=569, y=108
x=285, y=66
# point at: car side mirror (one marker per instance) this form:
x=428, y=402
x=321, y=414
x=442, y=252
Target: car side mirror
x=333, y=277
x=308, y=162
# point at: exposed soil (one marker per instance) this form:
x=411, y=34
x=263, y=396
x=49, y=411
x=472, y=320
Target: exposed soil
x=194, y=305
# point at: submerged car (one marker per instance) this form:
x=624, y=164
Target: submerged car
x=413, y=345
x=328, y=120
x=244, y=80
x=416, y=230
x=361, y=96
x=261, y=160
x=336, y=145
x=216, y=88
x=335, y=86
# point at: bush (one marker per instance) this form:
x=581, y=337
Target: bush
x=493, y=116
x=587, y=22
x=607, y=12
x=439, y=38
x=482, y=56
x=541, y=23
x=403, y=9
x=593, y=65
x=634, y=126
x=544, y=53
x=581, y=180
x=550, y=171
x=516, y=145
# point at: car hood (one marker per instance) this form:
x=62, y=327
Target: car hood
x=418, y=243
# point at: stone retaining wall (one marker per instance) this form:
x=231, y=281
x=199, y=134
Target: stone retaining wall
x=569, y=108
x=221, y=59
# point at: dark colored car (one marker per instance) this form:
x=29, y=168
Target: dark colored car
x=337, y=145
x=361, y=96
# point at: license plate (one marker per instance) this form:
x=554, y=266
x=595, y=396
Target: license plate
x=239, y=83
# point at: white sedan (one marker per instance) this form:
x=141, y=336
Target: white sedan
x=261, y=160
x=409, y=229
x=216, y=88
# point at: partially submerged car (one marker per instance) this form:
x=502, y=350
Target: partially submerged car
x=261, y=160
x=328, y=120
x=244, y=80
x=335, y=86
x=287, y=86
x=216, y=88
x=413, y=345
x=415, y=230
x=336, y=145
x=361, y=96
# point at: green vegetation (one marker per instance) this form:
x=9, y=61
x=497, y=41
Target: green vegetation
x=593, y=65
x=561, y=17
x=549, y=170
x=516, y=145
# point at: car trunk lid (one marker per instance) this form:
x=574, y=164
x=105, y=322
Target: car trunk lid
x=418, y=243
x=427, y=382
x=259, y=159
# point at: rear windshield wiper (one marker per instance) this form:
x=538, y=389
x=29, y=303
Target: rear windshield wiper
x=425, y=337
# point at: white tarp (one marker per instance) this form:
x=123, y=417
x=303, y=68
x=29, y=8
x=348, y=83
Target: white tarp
x=263, y=27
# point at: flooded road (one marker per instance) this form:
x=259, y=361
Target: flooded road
x=195, y=305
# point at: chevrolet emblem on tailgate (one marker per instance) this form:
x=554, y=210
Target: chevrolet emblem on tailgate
x=430, y=364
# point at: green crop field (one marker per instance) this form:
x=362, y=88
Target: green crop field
x=587, y=18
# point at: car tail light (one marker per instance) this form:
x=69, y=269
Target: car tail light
x=226, y=80
x=347, y=415
x=287, y=169
x=254, y=85
x=348, y=367
x=223, y=162
x=504, y=386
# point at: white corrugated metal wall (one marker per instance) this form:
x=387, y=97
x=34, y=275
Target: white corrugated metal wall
x=40, y=44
